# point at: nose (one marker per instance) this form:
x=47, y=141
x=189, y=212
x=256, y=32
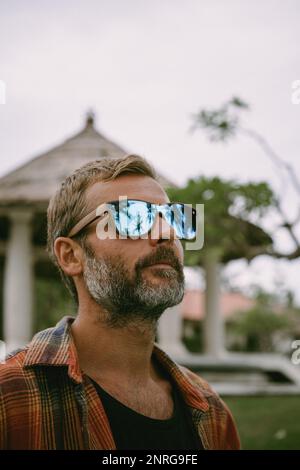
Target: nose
x=161, y=231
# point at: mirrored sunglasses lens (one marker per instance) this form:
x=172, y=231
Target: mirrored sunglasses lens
x=134, y=218
x=184, y=221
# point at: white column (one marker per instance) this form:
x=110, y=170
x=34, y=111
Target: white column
x=213, y=321
x=18, y=282
x=170, y=332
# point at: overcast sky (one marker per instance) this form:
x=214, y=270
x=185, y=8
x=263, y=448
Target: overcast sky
x=145, y=67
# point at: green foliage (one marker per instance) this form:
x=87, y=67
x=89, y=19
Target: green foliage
x=193, y=342
x=222, y=197
x=52, y=302
x=273, y=312
x=228, y=208
x=267, y=423
x=223, y=123
x=258, y=325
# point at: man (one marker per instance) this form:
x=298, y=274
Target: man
x=100, y=381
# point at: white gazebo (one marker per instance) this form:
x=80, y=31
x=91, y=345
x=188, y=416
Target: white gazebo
x=24, y=197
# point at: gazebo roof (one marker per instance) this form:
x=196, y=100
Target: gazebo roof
x=36, y=181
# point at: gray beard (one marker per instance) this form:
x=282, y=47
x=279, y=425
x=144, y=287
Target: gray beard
x=130, y=300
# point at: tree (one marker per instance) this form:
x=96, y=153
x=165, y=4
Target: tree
x=225, y=123
x=230, y=233
x=258, y=325
x=273, y=312
x=231, y=210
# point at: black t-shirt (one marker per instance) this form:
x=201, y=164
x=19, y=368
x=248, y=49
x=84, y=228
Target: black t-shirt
x=132, y=430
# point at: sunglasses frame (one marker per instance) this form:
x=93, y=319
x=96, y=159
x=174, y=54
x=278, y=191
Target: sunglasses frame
x=92, y=216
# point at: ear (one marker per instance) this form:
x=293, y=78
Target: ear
x=69, y=255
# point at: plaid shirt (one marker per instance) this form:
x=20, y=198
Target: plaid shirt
x=47, y=403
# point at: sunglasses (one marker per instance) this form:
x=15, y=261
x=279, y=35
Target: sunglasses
x=134, y=217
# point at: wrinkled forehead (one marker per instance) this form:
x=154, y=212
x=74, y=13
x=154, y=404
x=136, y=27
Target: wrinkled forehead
x=131, y=186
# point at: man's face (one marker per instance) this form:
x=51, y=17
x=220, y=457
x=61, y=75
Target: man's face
x=123, y=275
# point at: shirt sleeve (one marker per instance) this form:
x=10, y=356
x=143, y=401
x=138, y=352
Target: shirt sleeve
x=230, y=440
x=218, y=423
x=3, y=428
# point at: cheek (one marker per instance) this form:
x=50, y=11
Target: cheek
x=123, y=251
x=179, y=249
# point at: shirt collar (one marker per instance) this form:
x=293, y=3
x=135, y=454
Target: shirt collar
x=55, y=347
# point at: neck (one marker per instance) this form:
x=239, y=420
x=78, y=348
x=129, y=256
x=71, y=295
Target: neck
x=123, y=353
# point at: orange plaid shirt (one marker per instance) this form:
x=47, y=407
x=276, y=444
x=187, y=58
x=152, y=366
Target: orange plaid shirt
x=47, y=403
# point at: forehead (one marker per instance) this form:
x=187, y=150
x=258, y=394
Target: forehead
x=132, y=186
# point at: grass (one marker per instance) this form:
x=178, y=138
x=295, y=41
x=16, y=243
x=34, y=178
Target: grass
x=267, y=422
